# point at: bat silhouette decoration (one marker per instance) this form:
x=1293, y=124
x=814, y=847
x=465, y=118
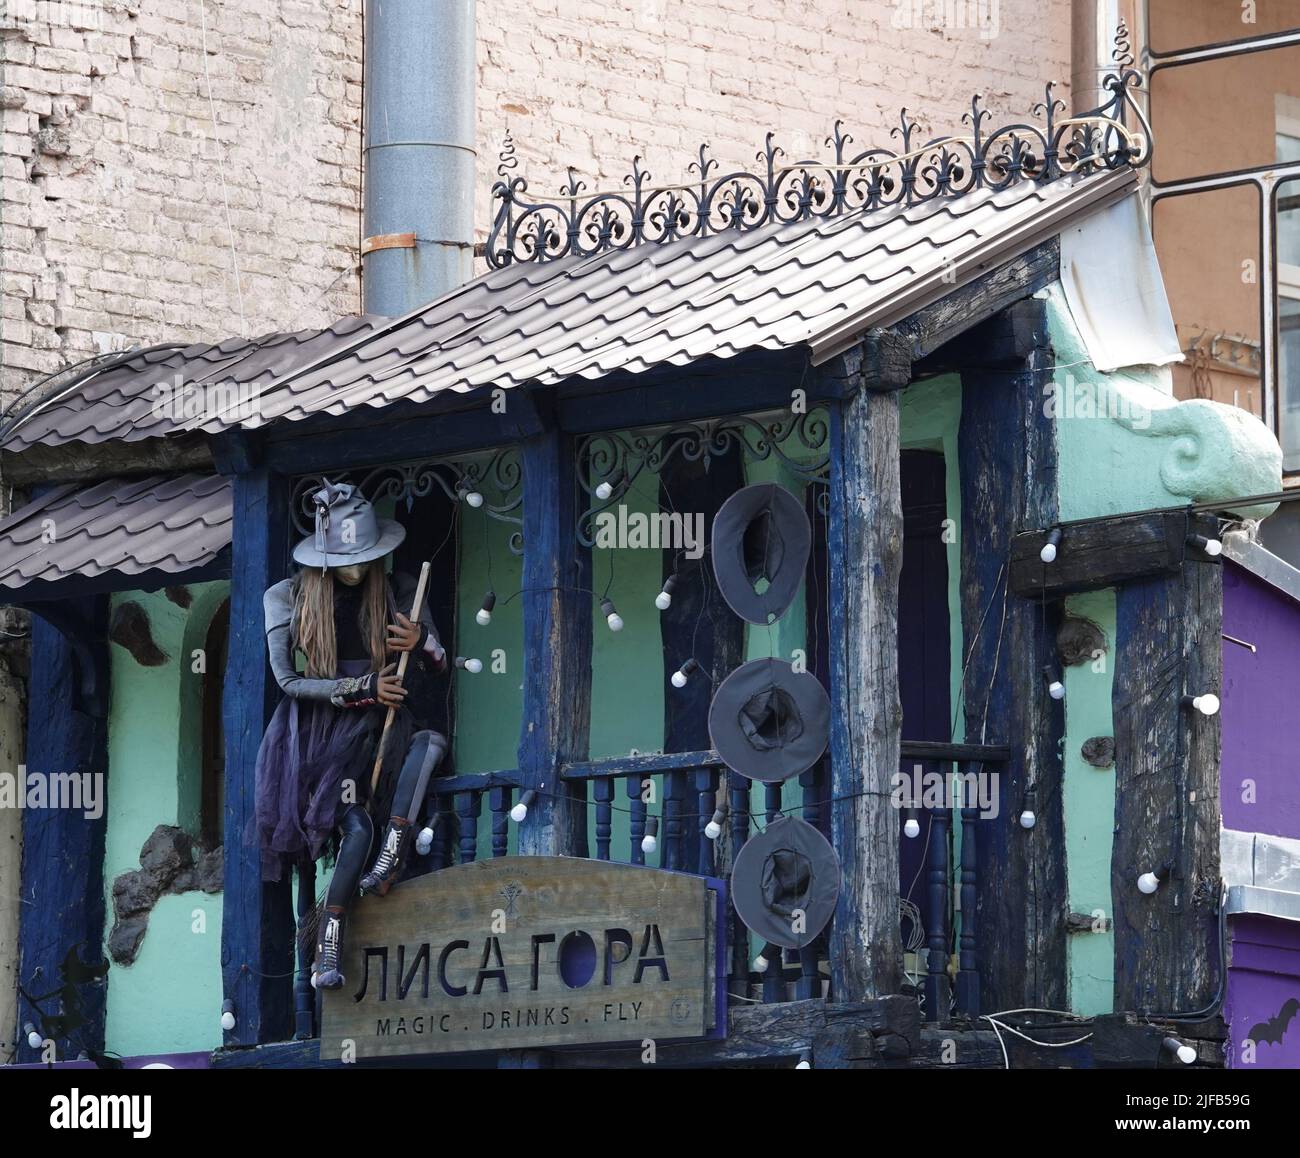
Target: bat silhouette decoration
x=1274, y=1029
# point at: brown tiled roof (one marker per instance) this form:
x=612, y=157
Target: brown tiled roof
x=128, y=525
x=817, y=284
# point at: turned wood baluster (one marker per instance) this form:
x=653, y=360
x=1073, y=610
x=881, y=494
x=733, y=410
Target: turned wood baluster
x=673, y=824
x=738, y=797
x=937, y=984
x=636, y=826
x=499, y=800
x=468, y=806
x=968, y=977
x=603, y=790
x=440, y=849
x=706, y=787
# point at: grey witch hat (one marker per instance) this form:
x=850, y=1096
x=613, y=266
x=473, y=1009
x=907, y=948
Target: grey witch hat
x=347, y=530
x=760, y=534
x=770, y=722
x=785, y=882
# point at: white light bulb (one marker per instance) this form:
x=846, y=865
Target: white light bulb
x=424, y=841
x=1048, y=553
x=679, y=679
x=712, y=830
x=911, y=829
x=1148, y=883
x=519, y=813
x=1207, y=705
x=474, y=499
x=760, y=964
x=1186, y=1054
x=1213, y=548
x=649, y=843
x=35, y=1040
x=615, y=621
x=1028, y=819
x=483, y=617
x=228, y=1019
x=1056, y=690
x=473, y=666
x=804, y=1064
x=603, y=491
x=663, y=601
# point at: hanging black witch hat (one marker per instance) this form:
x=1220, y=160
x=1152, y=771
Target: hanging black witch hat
x=769, y=722
x=785, y=882
x=760, y=535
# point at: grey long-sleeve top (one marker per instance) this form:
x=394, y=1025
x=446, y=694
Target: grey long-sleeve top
x=277, y=606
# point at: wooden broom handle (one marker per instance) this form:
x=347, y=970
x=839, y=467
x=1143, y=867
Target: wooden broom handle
x=420, y=588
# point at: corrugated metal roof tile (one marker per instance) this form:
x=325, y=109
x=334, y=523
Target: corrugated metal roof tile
x=126, y=525
x=814, y=283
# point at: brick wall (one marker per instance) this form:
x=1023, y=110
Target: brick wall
x=116, y=181
x=591, y=85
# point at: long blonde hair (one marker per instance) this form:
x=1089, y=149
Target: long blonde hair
x=313, y=619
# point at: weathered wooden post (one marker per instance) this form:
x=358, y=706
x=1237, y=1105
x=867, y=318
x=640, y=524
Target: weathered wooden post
x=1007, y=453
x=557, y=647
x=257, y=919
x=63, y=848
x=866, y=554
x=1167, y=645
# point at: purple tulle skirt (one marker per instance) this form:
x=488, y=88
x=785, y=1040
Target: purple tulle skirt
x=314, y=763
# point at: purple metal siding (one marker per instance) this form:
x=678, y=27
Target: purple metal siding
x=1261, y=739
x=1261, y=723
x=1264, y=977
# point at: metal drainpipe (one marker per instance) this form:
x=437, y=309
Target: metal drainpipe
x=1093, y=24
x=420, y=79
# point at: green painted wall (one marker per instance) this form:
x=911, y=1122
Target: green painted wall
x=169, y=999
x=1088, y=800
x=489, y=704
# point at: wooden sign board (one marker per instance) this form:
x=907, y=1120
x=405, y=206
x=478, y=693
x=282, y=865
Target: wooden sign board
x=527, y=952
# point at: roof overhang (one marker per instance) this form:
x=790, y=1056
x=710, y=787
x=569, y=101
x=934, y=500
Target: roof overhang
x=119, y=534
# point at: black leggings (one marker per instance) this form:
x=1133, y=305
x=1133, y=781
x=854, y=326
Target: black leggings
x=357, y=829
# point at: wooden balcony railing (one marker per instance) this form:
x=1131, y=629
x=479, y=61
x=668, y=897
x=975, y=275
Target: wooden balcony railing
x=687, y=786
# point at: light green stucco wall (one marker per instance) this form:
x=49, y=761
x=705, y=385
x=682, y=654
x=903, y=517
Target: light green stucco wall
x=1088, y=800
x=169, y=998
x=1125, y=444
x=488, y=705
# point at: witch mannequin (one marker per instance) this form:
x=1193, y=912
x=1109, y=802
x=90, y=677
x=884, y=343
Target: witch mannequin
x=341, y=614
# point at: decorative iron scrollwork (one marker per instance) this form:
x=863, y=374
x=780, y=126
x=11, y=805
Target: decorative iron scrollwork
x=618, y=458
x=495, y=476
x=780, y=192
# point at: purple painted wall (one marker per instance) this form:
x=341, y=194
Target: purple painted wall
x=1263, y=983
x=1261, y=711
x=1261, y=742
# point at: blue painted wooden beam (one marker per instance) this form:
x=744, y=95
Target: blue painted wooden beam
x=62, y=884
x=257, y=919
x=452, y=424
x=865, y=549
x=557, y=615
